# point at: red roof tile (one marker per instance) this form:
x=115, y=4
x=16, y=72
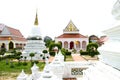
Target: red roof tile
x=15, y=34
x=71, y=36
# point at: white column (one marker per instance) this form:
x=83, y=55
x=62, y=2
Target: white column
x=7, y=46
x=68, y=45
x=62, y=44
x=80, y=44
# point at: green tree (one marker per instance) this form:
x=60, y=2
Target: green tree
x=2, y=51
x=18, y=56
x=47, y=41
x=92, y=49
x=44, y=52
x=31, y=55
x=52, y=45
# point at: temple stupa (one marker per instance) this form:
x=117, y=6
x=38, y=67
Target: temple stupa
x=108, y=66
x=35, y=43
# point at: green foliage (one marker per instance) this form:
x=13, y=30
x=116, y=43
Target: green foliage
x=2, y=51
x=45, y=51
x=41, y=55
x=65, y=52
x=68, y=53
x=74, y=50
x=32, y=54
x=84, y=52
x=25, y=63
x=34, y=38
x=17, y=69
x=36, y=62
x=52, y=45
x=47, y=41
x=52, y=53
x=92, y=49
x=92, y=45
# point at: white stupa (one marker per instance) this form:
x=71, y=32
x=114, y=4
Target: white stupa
x=22, y=76
x=35, y=43
x=108, y=68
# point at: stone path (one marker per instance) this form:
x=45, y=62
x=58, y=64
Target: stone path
x=77, y=57
x=51, y=59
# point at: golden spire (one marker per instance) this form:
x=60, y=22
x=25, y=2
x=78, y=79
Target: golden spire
x=36, y=19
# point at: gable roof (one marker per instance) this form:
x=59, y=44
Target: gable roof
x=10, y=32
x=71, y=28
x=71, y=31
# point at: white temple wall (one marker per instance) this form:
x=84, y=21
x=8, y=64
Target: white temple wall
x=73, y=40
x=74, y=69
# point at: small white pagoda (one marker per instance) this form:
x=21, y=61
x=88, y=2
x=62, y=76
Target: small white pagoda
x=35, y=43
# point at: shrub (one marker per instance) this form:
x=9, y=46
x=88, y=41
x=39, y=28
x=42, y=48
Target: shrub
x=84, y=53
x=52, y=53
x=41, y=55
x=74, y=50
x=25, y=63
x=68, y=53
x=36, y=62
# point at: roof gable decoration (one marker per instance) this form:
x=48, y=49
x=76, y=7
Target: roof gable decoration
x=71, y=28
x=2, y=27
x=5, y=31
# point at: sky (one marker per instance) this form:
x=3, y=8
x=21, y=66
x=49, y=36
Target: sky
x=89, y=16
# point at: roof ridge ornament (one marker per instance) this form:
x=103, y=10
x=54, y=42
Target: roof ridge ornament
x=36, y=19
x=71, y=28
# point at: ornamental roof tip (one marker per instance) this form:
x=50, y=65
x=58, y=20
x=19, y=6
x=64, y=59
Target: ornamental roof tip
x=71, y=27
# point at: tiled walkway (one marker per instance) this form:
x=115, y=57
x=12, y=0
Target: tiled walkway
x=51, y=59
x=77, y=57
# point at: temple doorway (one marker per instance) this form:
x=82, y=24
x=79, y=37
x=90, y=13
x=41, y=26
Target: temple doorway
x=11, y=45
x=71, y=45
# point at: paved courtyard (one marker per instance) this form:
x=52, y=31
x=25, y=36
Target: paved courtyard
x=77, y=57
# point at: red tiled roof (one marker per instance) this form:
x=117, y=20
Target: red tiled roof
x=16, y=34
x=103, y=39
x=71, y=36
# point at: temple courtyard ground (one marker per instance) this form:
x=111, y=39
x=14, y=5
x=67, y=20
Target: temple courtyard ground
x=75, y=57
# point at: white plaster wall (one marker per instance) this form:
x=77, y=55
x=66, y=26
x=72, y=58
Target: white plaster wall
x=72, y=39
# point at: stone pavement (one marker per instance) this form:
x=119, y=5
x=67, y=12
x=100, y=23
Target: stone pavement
x=77, y=57
x=51, y=59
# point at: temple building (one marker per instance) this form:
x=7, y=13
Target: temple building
x=72, y=39
x=11, y=38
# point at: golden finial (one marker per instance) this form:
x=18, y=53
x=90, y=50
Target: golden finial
x=36, y=19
